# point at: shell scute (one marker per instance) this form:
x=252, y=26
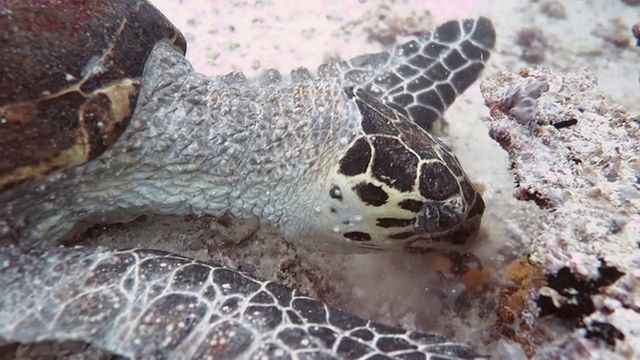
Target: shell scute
x=69, y=79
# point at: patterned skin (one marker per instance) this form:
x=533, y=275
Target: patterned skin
x=147, y=304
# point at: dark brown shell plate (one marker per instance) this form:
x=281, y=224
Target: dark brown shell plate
x=70, y=72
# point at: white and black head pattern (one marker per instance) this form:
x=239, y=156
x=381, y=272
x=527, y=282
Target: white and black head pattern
x=397, y=185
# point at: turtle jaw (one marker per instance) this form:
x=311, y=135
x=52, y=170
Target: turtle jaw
x=444, y=226
x=451, y=218
x=437, y=217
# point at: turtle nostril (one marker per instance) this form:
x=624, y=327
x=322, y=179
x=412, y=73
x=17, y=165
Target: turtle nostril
x=440, y=216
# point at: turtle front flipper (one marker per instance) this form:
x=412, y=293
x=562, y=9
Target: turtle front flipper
x=422, y=77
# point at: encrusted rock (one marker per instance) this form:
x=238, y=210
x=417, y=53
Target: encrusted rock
x=575, y=155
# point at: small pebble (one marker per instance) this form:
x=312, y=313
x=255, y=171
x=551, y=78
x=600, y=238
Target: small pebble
x=614, y=32
x=308, y=33
x=533, y=45
x=554, y=9
x=635, y=29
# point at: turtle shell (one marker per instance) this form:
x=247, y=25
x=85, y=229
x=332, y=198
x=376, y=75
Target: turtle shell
x=70, y=73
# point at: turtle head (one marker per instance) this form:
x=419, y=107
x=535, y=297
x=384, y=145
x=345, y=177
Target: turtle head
x=397, y=186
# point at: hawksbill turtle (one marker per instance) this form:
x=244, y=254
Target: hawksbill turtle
x=101, y=115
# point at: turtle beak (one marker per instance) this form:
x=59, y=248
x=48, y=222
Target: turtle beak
x=437, y=217
x=451, y=222
x=468, y=229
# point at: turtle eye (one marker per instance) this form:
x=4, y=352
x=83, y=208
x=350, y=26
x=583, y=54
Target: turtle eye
x=335, y=193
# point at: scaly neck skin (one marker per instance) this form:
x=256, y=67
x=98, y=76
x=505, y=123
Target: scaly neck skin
x=199, y=145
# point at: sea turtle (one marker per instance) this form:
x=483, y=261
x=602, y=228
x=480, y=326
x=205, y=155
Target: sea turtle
x=101, y=116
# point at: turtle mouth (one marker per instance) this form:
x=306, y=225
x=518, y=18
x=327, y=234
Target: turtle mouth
x=450, y=220
x=437, y=217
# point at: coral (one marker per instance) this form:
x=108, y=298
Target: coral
x=521, y=101
x=575, y=155
x=525, y=279
x=570, y=297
